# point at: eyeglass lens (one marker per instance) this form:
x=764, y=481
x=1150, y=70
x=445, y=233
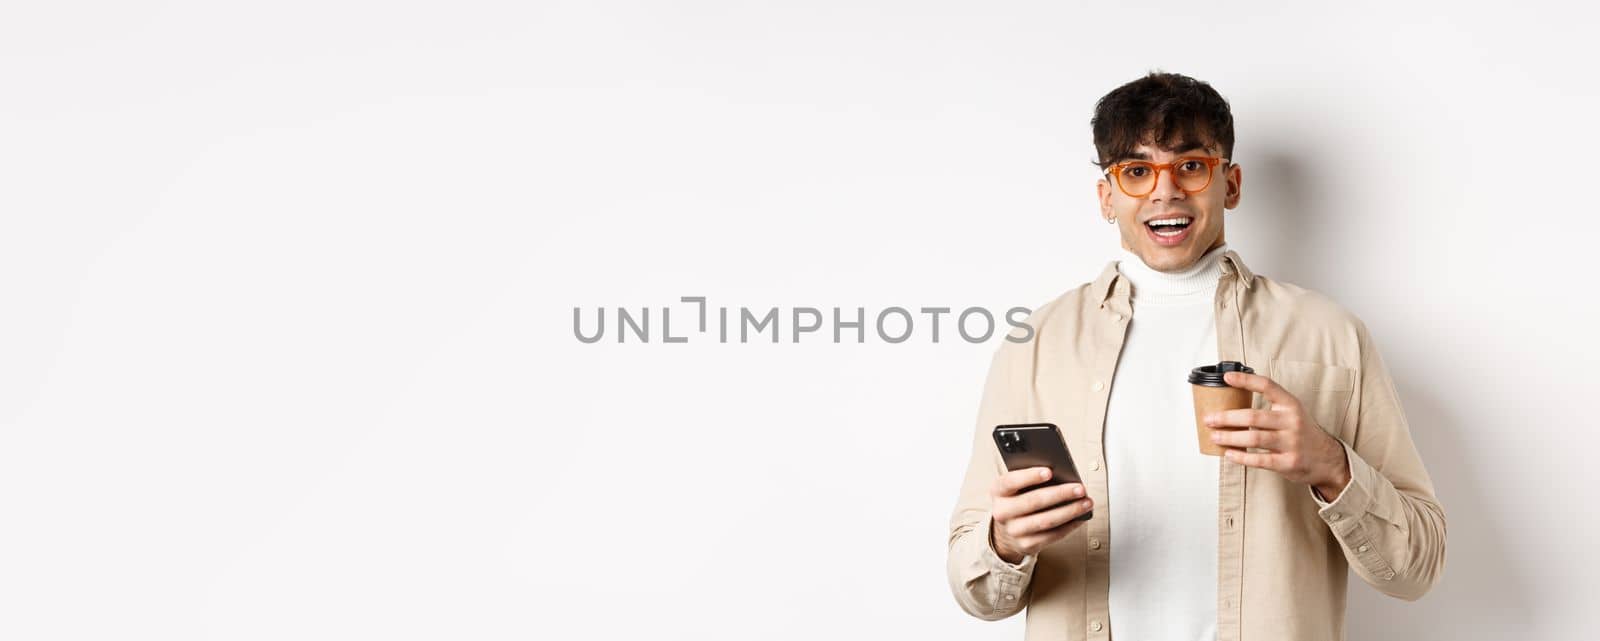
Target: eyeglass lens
x=1140, y=177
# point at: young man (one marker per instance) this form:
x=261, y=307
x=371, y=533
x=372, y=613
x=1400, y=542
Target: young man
x=1321, y=479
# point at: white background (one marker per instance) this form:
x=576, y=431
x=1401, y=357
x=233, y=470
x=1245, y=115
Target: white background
x=286, y=348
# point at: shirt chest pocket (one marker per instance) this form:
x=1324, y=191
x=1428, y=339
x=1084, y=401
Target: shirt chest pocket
x=1323, y=389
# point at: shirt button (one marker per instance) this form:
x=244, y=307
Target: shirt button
x=1334, y=516
x=1011, y=597
x=1388, y=576
x=1362, y=549
x=1094, y=544
x=1095, y=626
x=1116, y=317
x=1094, y=466
x=1228, y=521
x=1098, y=386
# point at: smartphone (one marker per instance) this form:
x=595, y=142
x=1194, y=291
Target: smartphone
x=1038, y=445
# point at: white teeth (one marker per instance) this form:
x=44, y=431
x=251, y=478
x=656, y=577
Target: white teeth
x=1183, y=220
x=1174, y=232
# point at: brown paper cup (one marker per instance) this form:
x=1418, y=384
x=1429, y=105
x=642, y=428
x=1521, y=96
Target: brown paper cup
x=1212, y=395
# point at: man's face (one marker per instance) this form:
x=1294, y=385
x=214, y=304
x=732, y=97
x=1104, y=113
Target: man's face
x=1171, y=252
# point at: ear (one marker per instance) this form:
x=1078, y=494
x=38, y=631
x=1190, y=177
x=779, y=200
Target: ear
x=1103, y=190
x=1235, y=182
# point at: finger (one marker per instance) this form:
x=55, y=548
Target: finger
x=1010, y=483
x=1036, y=523
x=1037, y=541
x=1263, y=460
x=1266, y=387
x=1035, y=500
x=1262, y=419
x=1265, y=439
x=1045, y=498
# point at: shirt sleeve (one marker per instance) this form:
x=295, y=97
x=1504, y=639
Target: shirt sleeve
x=985, y=585
x=1388, y=520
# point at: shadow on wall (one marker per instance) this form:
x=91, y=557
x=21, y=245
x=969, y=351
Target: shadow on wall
x=1296, y=238
x=1283, y=219
x=1480, y=595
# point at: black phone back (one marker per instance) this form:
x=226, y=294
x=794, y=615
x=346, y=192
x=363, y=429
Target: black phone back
x=1037, y=445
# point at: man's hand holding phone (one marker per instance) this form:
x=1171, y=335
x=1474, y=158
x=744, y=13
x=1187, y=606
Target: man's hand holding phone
x=1027, y=518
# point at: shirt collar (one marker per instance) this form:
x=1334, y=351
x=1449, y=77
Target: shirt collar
x=1112, y=282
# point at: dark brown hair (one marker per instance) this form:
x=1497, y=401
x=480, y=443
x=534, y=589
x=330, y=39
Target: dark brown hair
x=1169, y=110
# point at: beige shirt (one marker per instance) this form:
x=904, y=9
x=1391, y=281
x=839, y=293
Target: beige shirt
x=1282, y=554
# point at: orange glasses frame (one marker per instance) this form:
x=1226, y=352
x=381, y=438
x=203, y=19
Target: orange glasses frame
x=1211, y=169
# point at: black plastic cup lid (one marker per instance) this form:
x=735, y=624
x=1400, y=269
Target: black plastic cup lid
x=1211, y=375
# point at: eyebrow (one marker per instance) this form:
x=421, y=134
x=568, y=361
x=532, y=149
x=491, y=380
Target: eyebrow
x=1139, y=155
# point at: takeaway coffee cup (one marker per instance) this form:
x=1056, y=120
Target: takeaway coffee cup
x=1212, y=394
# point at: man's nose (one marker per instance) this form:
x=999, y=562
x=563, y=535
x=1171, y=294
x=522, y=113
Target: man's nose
x=1167, y=186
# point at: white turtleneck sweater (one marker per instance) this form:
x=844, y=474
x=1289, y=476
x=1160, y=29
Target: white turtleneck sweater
x=1162, y=491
